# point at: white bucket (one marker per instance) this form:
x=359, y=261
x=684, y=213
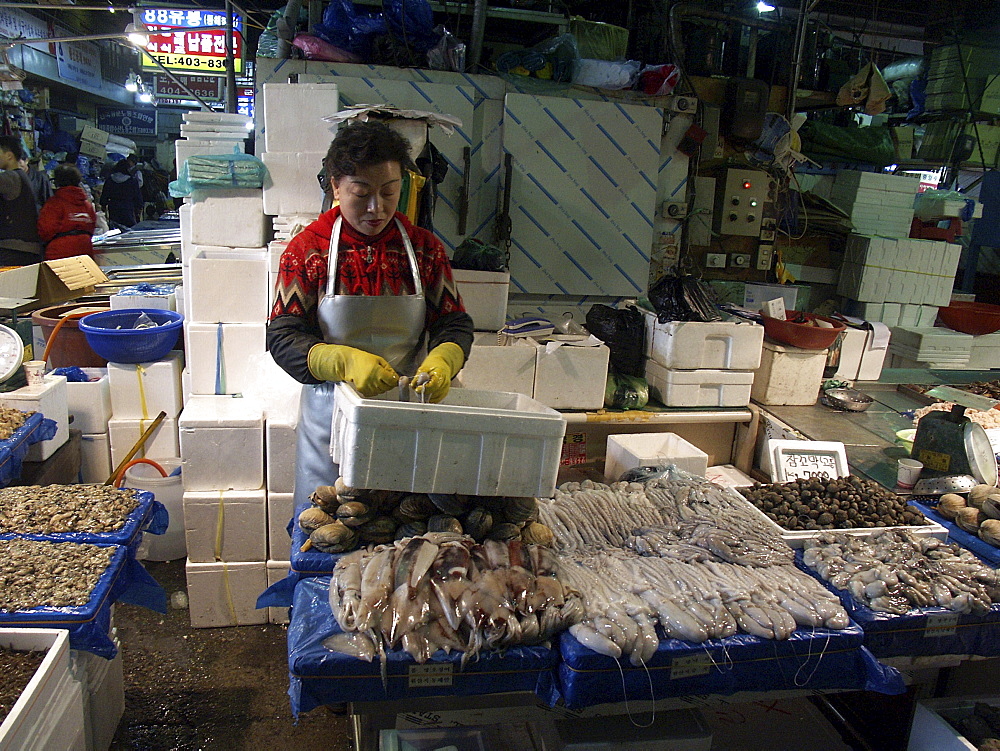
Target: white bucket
x=170, y=492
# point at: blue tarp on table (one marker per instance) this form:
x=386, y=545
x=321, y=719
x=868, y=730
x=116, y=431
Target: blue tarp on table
x=967, y=540
x=302, y=565
x=124, y=580
x=319, y=676
x=922, y=631
x=810, y=659
x=13, y=450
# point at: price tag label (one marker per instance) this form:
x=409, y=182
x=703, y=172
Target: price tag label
x=688, y=667
x=941, y=625
x=437, y=674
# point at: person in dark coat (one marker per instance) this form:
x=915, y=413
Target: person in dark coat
x=19, y=243
x=121, y=197
x=67, y=220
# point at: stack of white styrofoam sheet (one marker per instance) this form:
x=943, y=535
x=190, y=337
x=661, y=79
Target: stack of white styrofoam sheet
x=229, y=217
x=938, y=345
x=290, y=186
x=226, y=525
x=209, y=133
x=885, y=270
x=877, y=203
x=985, y=353
x=293, y=117
x=288, y=226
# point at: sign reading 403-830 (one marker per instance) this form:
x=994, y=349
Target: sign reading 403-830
x=179, y=40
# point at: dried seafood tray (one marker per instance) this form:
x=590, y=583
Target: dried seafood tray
x=89, y=624
x=48, y=514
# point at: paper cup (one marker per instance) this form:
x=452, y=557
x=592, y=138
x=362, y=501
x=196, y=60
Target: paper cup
x=907, y=472
x=33, y=372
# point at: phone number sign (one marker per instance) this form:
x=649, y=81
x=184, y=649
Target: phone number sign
x=178, y=43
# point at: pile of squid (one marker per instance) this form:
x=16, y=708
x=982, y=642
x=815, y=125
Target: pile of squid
x=894, y=572
x=445, y=591
x=683, y=554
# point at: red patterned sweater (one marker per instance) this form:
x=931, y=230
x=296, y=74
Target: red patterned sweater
x=367, y=266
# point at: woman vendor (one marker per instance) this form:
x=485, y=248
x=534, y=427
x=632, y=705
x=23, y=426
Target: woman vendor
x=361, y=294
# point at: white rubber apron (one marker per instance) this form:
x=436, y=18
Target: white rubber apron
x=386, y=325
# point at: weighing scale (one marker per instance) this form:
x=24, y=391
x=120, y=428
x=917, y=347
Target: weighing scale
x=954, y=450
x=15, y=341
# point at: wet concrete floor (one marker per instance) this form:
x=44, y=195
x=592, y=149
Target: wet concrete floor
x=213, y=689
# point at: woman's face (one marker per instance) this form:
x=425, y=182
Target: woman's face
x=369, y=198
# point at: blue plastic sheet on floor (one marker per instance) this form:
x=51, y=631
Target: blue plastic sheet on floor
x=149, y=516
x=125, y=580
x=301, y=566
x=810, y=659
x=319, y=676
x=968, y=541
x=922, y=631
x=13, y=450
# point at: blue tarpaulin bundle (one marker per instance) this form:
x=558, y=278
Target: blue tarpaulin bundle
x=301, y=565
x=125, y=580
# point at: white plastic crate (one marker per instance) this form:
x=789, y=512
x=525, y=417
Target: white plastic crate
x=691, y=345
x=698, y=388
x=484, y=294
x=49, y=712
x=475, y=442
x=631, y=450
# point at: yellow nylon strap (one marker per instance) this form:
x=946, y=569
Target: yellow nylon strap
x=219, y=522
x=140, y=373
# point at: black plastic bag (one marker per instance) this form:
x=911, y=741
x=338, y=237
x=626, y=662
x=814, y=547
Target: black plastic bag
x=683, y=298
x=624, y=331
x=475, y=255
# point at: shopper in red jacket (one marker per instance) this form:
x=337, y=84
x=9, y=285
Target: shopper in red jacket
x=67, y=220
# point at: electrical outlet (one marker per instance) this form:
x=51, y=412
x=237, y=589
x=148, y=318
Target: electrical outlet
x=741, y=260
x=715, y=260
x=764, y=254
x=687, y=104
x=674, y=209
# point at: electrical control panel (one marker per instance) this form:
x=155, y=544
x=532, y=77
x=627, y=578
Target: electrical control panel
x=739, y=202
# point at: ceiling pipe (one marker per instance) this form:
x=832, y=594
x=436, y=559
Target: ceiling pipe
x=479, y=10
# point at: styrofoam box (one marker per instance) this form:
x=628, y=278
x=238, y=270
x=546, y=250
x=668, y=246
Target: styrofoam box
x=494, y=368
x=225, y=594
x=95, y=457
x=484, y=294
x=240, y=343
x=152, y=300
x=293, y=116
x=222, y=443
x=280, y=447
x=185, y=148
x=699, y=388
x=276, y=571
x=858, y=362
x=932, y=732
x=49, y=712
x=230, y=217
x=627, y=451
x=103, y=685
x=49, y=398
x=187, y=244
x=143, y=390
x=228, y=286
x=123, y=434
x=985, y=353
x=474, y=442
x=243, y=514
x=788, y=375
x=280, y=508
x=89, y=402
x=691, y=345
x=568, y=377
x=287, y=187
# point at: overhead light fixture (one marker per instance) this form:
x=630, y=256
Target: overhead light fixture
x=132, y=83
x=137, y=32
x=763, y=7
x=145, y=97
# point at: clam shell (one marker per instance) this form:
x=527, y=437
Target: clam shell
x=334, y=538
x=342, y=488
x=326, y=498
x=979, y=494
x=354, y=513
x=313, y=518
x=477, y=522
x=504, y=531
x=518, y=510
x=969, y=519
x=444, y=523
x=450, y=504
x=538, y=534
x=950, y=504
x=379, y=530
x=991, y=507
x=410, y=529
x=415, y=507
x=989, y=531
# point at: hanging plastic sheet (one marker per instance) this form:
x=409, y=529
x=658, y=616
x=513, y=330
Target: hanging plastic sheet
x=810, y=659
x=124, y=580
x=922, y=631
x=301, y=565
x=348, y=29
x=967, y=540
x=149, y=516
x=12, y=451
x=319, y=676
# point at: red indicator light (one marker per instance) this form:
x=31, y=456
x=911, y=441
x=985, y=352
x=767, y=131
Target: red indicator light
x=746, y=185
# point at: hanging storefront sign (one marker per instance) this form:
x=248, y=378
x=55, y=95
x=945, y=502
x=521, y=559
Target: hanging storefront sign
x=199, y=50
x=244, y=100
x=209, y=88
x=125, y=121
x=15, y=23
x=79, y=62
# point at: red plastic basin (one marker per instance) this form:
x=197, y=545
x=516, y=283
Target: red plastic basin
x=976, y=318
x=802, y=335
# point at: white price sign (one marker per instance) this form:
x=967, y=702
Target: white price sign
x=688, y=667
x=430, y=674
x=941, y=625
x=792, y=460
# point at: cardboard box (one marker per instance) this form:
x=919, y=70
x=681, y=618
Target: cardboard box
x=228, y=525
x=51, y=282
x=225, y=594
x=94, y=135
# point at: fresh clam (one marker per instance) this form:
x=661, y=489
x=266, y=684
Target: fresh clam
x=410, y=529
x=979, y=494
x=991, y=506
x=969, y=519
x=450, y=503
x=477, y=522
x=313, y=518
x=537, y=534
x=380, y=530
x=334, y=538
x=517, y=510
x=326, y=498
x=950, y=504
x=444, y=523
x=415, y=507
x=989, y=531
x=504, y=531
x=354, y=513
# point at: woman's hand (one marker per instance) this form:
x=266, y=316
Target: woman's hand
x=441, y=365
x=370, y=374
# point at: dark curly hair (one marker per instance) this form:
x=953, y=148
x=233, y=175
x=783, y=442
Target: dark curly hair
x=363, y=145
x=66, y=175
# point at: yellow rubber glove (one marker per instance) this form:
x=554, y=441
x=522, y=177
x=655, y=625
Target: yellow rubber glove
x=370, y=374
x=441, y=365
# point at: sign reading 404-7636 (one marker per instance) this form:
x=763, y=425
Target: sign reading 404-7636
x=179, y=40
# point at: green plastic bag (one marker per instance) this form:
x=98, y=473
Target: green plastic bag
x=832, y=143
x=625, y=392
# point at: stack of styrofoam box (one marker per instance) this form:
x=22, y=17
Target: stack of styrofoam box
x=139, y=392
x=89, y=404
x=942, y=348
x=50, y=399
x=905, y=271
x=893, y=313
x=985, y=353
x=296, y=140
x=877, y=203
x=701, y=364
x=205, y=133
